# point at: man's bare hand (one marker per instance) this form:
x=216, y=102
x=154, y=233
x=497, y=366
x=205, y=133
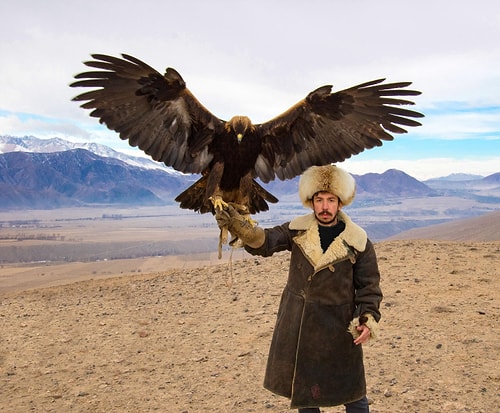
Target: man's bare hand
x=364, y=334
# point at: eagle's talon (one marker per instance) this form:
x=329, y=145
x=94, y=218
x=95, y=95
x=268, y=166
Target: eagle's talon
x=218, y=202
x=252, y=222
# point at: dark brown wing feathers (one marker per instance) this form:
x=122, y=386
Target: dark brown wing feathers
x=159, y=114
x=330, y=127
x=152, y=111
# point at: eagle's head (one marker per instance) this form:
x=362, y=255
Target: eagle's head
x=240, y=126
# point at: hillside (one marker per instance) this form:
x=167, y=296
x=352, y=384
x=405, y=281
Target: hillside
x=482, y=228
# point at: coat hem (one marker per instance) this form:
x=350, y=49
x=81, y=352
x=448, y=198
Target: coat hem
x=325, y=403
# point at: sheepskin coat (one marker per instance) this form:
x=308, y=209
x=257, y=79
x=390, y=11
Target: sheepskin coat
x=312, y=358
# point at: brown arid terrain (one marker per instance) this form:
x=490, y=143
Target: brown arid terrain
x=484, y=228
x=191, y=333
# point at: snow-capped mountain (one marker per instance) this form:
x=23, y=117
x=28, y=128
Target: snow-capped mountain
x=78, y=177
x=37, y=145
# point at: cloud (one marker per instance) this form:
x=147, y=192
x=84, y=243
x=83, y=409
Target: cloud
x=256, y=58
x=12, y=123
x=455, y=122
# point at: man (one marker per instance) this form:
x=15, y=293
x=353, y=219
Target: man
x=330, y=304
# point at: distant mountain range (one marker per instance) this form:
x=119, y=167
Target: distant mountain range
x=391, y=183
x=52, y=173
x=55, y=173
x=79, y=177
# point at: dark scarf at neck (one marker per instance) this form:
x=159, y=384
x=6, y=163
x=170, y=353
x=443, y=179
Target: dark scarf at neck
x=328, y=234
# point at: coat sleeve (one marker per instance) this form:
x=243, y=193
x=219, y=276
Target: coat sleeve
x=277, y=239
x=368, y=294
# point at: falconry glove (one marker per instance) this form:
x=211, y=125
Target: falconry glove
x=240, y=227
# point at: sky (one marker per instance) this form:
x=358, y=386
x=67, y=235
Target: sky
x=259, y=57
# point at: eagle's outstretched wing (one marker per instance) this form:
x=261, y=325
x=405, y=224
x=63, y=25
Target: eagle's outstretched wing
x=330, y=127
x=155, y=112
x=162, y=117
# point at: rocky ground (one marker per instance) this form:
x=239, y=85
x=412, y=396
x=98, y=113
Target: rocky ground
x=195, y=339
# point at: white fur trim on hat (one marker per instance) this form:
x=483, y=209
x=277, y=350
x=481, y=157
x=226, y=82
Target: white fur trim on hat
x=327, y=178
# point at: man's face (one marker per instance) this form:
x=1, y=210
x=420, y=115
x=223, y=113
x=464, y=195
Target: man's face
x=326, y=206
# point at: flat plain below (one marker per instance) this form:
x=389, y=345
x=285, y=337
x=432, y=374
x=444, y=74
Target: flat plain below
x=190, y=333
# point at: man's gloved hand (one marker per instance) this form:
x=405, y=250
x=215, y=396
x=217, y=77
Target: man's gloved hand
x=239, y=227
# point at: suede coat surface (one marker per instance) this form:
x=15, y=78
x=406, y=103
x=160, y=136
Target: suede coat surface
x=312, y=358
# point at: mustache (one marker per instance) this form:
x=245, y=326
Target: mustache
x=325, y=212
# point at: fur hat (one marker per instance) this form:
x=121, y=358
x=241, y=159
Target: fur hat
x=327, y=178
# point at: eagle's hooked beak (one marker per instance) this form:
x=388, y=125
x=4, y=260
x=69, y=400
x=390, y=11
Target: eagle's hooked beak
x=240, y=137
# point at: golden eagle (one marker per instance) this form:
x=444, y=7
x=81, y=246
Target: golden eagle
x=162, y=117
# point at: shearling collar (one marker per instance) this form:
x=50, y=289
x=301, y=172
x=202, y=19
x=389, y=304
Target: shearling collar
x=308, y=240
